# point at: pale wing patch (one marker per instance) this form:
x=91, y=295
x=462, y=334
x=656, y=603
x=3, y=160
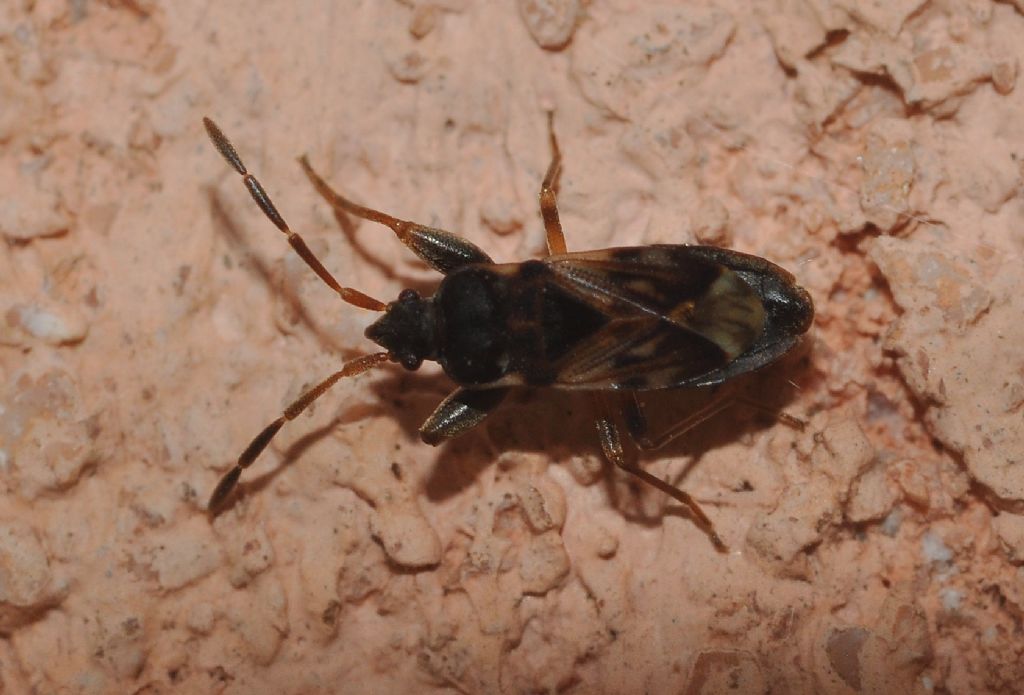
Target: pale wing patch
x=730, y=314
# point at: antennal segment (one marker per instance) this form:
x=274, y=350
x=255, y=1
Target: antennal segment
x=256, y=190
x=260, y=442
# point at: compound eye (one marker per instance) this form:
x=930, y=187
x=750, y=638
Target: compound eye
x=411, y=362
x=408, y=295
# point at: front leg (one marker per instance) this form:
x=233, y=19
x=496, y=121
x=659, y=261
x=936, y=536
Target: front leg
x=441, y=250
x=460, y=412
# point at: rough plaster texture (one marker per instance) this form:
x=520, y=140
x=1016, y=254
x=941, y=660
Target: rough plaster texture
x=151, y=321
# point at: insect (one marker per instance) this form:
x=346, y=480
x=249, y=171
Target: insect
x=614, y=322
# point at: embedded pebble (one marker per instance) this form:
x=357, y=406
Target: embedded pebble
x=913, y=483
x=889, y=657
x=873, y=496
x=406, y=536
x=843, y=648
x=1009, y=529
x=424, y=20
x=338, y=562
x=249, y=553
x=720, y=671
x=585, y=468
x=181, y=556
x=1004, y=75
x=410, y=66
x=261, y=618
x=543, y=505
x=889, y=170
x=711, y=223
x=52, y=323
x=47, y=438
x=200, y=618
x=842, y=452
x=779, y=538
x=543, y=563
x=958, y=321
x=900, y=647
x=550, y=22
x=30, y=212
x=607, y=543
x=27, y=584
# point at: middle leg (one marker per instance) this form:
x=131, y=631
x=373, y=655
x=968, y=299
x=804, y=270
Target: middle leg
x=548, y=199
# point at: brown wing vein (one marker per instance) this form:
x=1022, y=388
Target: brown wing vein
x=646, y=343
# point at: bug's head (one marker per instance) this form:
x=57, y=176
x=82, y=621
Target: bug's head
x=406, y=330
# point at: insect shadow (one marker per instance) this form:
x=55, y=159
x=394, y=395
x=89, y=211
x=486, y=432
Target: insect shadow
x=559, y=425
x=424, y=285
x=225, y=225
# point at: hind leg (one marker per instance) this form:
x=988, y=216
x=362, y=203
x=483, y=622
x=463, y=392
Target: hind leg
x=639, y=431
x=611, y=446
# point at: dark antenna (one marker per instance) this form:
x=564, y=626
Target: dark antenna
x=352, y=296
x=260, y=442
x=255, y=188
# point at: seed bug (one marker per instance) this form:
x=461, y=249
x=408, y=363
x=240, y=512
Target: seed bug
x=615, y=321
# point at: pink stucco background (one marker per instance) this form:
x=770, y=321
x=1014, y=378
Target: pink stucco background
x=152, y=321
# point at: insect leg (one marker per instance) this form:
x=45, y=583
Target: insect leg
x=785, y=418
x=461, y=411
x=636, y=420
x=260, y=442
x=255, y=188
x=611, y=445
x=441, y=250
x=548, y=201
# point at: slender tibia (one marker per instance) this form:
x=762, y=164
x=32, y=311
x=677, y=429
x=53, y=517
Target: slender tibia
x=401, y=228
x=255, y=188
x=611, y=446
x=548, y=200
x=636, y=419
x=260, y=442
x=441, y=250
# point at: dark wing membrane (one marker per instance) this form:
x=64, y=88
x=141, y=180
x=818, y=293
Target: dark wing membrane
x=673, y=318
x=651, y=280
x=639, y=355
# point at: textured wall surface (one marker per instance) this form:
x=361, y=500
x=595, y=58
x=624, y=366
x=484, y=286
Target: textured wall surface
x=152, y=321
